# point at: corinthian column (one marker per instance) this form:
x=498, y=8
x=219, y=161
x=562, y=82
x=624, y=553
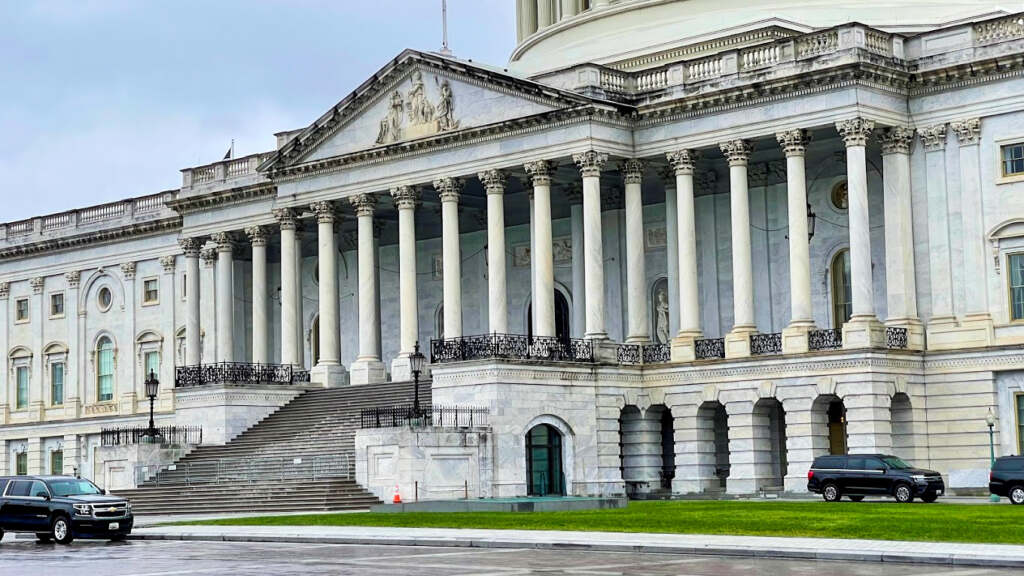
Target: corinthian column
x=497, y=309
x=367, y=368
x=290, y=286
x=450, y=191
x=801, y=320
x=406, y=198
x=737, y=342
x=542, y=257
x=682, y=162
x=191, y=248
x=590, y=164
x=260, y=322
x=639, y=331
x=225, y=296
x=863, y=330
x=328, y=370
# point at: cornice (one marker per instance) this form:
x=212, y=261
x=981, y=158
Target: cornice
x=192, y=204
x=966, y=74
x=137, y=229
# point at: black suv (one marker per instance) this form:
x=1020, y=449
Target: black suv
x=1007, y=478
x=62, y=508
x=860, y=475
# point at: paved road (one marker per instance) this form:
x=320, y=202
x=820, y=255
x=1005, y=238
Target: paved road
x=176, y=558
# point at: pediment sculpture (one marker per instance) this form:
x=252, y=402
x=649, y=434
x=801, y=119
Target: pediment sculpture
x=414, y=116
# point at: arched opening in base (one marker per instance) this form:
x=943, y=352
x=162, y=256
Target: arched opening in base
x=544, y=474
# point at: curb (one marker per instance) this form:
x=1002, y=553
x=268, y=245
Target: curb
x=748, y=552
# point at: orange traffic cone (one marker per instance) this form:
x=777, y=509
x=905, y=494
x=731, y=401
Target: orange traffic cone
x=397, y=499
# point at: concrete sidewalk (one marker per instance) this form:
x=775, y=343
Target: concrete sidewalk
x=754, y=546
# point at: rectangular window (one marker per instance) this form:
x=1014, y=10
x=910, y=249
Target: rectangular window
x=105, y=371
x=21, y=310
x=151, y=291
x=57, y=462
x=1020, y=423
x=152, y=364
x=21, y=464
x=57, y=305
x=21, y=394
x=57, y=383
x=1015, y=264
x=184, y=286
x=1013, y=159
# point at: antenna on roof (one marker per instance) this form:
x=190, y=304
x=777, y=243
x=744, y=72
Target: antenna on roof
x=445, y=51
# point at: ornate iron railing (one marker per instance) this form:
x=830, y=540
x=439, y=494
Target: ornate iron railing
x=238, y=373
x=708, y=348
x=510, y=346
x=825, y=339
x=172, y=435
x=657, y=353
x=896, y=337
x=765, y=344
x=426, y=416
x=628, y=354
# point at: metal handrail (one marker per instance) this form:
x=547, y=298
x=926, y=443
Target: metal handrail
x=246, y=470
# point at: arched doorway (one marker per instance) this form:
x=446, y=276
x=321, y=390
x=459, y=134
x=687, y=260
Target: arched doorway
x=544, y=475
x=831, y=412
x=902, y=418
x=314, y=341
x=842, y=298
x=713, y=431
x=562, y=318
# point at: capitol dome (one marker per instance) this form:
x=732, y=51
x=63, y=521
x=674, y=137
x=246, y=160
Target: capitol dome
x=634, y=34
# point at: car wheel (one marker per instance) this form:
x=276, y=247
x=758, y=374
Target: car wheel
x=118, y=538
x=1017, y=495
x=1, y=534
x=830, y=493
x=60, y=530
x=903, y=494
x=930, y=497
x=856, y=498
x=43, y=538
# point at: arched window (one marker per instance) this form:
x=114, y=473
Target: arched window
x=104, y=370
x=842, y=302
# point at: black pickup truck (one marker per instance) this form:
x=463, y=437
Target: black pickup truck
x=62, y=508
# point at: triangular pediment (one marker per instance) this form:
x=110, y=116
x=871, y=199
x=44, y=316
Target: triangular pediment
x=420, y=96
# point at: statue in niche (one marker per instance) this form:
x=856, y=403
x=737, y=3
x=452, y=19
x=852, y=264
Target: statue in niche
x=661, y=330
x=391, y=125
x=420, y=110
x=446, y=109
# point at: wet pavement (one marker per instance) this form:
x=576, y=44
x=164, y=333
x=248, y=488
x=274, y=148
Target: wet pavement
x=23, y=557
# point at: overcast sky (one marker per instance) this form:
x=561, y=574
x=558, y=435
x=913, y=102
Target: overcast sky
x=102, y=100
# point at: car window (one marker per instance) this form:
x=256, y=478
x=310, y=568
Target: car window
x=896, y=463
x=1010, y=464
x=73, y=487
x=873, y=464
x=20, y=488
x=855, y=463
x=39, y=490
x=829, y=462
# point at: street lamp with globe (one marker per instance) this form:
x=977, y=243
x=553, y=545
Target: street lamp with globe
x=990, y=419
x=152, y=387
x=416, y=361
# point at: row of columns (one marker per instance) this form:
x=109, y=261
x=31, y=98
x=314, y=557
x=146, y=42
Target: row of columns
x=535, y=15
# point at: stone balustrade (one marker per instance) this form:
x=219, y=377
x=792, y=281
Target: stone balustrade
x=228, y=173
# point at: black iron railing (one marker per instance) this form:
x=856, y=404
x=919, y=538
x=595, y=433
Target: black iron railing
x=238, y=373
x=765, y=344
x=896, y=338
x=426, y=416
x=708, y=348
x=173, y=435
x=628, y=354
x=657, y=353
x=510, y=346
x=825, y=339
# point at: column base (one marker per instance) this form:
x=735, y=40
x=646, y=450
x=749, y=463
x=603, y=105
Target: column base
x=796, y=337
x=605, y=351
x=914, y=328
x=737, y=342
x=367, y=371
x=974, y=331
x=401, y=369
x=329, y=375
x=684, y=347
x=863, y=332
x=640, y=340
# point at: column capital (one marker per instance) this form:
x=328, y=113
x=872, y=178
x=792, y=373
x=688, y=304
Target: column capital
x=287, y=218
x=632, y=170
x=225, y=241
x=325, y=211
x=682, y=161
x=191, y=246
x=364, y=204
x=897, y=140
x=37, y=284
x=493, y=180
x=933, y=137
x=128, y=270
x=855, y=131
x=168, y=263
x=967, y=131
x=5, y=290
x=73, y=278
x=590, y=162
x=540, y=171
x=793, y=142
x=737, y=152
x=405, y=197
x=448, y=189
x=208, y=256
x=257, y=235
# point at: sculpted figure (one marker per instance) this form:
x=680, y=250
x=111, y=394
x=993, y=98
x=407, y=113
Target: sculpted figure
x=391, y=125
x=446, y=109
x=661, y=318
x=421, y=111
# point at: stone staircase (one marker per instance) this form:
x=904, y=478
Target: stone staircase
x=301, y=457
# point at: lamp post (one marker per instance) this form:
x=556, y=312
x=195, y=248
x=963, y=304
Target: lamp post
x=152, y=387
x=990, y=419
x=416, y=363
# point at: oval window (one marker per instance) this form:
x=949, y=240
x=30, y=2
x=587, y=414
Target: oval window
x=105, y=298
x=840, y=196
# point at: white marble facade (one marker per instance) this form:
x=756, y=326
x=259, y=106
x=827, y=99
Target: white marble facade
x=656, y=200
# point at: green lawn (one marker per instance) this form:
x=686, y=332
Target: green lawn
x=872, y=520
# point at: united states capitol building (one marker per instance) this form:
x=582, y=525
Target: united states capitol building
x=677, y=246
